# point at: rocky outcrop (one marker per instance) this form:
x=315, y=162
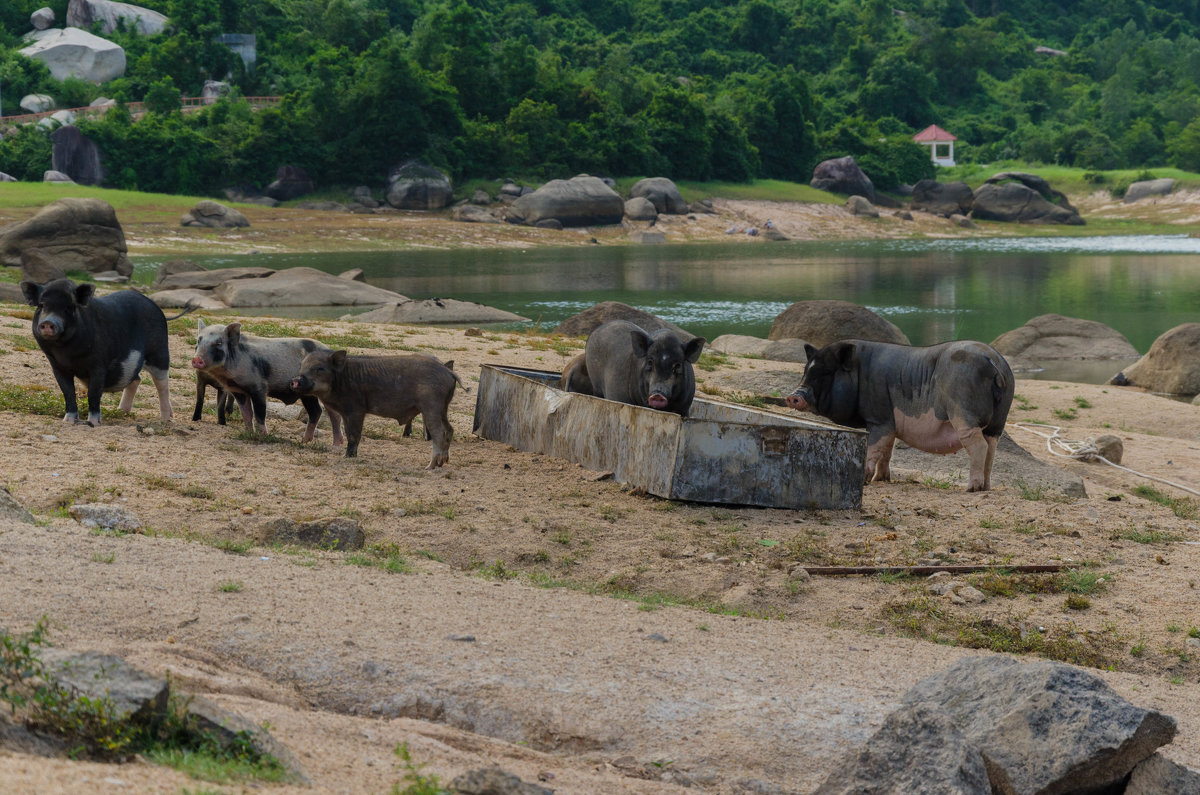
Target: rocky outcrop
x=214, y=90
x=589, y=319
x=109, y=15
x=1171, y=366
x=579, y=201
x=11, y=509
x=77, y=156
x=1058, y=337
x=842, y=175
x=1018, y=197
x=474, y=214
x=414, y=185
x=662, y=193
x=338, y=532
x=72, y=52
x=76, y=234
x=1148, y=188
x=436, y=310
x=291, y=182
x=786, y=350
x=209, y=213
x=824, y=321
x=942, y=198
x=302, y=287
x=200, y=279
x=1044, y=726
x=42, y=19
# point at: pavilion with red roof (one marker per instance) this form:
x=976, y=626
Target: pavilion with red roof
x=940, y=143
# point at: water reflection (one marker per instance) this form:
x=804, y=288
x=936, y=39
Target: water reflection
x=932, y=289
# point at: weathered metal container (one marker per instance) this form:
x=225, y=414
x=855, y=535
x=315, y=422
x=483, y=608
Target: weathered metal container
x=719, y=453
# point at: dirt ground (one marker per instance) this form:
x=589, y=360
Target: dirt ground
x=554, y=622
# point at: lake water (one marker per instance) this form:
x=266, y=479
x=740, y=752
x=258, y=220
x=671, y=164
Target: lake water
x=934, y=290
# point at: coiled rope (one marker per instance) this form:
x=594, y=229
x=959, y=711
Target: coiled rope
x=1087, y=450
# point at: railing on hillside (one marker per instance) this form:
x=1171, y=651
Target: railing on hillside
x=136, y=108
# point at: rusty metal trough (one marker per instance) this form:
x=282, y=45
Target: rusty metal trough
x=720, y=453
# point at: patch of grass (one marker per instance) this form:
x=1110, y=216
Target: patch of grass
x=711, y=360
x=1064, y=414
x=1183, y=507
x=1083, y=403
x=385, y=556
x=1077, y=602
x=99, y=557
x=496, y=571
x=32, y=399
x=937, y=483
x=1023, y=403
x=927, y=618
x=1083, y=581
x=1138, y=649
x=1147, y=536
x=230, y=586
x=231, y=546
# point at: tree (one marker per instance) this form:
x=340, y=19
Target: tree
x=163, y=97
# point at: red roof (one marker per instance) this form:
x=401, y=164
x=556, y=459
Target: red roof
x=933, y=133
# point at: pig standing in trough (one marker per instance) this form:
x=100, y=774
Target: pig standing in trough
x=940, y=399
x=624, y=363
x=104, y=341
x=399, y=387
x=255, y=368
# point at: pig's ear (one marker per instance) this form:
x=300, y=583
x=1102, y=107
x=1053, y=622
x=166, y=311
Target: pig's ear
x=691, y=351
x=84, y=293
x=640, y=341
x=338, y=360
x=233, y=333
x=810, y=352
x=32, y=292
x=200, y=326
x=846, y=354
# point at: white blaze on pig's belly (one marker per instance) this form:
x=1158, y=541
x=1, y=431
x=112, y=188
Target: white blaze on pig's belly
x=927, y=433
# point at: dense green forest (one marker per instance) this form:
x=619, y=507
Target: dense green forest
x=691, y=89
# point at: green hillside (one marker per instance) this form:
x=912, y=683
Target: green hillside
x=697, y=90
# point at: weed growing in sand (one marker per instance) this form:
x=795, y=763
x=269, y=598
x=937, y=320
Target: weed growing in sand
x=1083, y=403
x=1138, y=649
x=937, y=483
x=1077, y=602
x=1023, y=403
x=1183, y=507
x=231, y=546
x=497, y=571
x=231, y=586
x=31, y=399
x=381, y=555
x=711, y=360
x=418, y=782
x=98, y=557
x=1147, y=536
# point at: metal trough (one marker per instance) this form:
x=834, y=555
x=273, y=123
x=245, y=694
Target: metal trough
x=720, y=453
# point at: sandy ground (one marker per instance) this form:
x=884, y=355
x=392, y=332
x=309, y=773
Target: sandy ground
x=556, y=623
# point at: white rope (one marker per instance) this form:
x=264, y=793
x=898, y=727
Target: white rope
x=1086, y=450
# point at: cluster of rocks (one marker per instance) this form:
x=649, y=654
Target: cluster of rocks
x=73, y=51
x=989, y=725
x=67, y=234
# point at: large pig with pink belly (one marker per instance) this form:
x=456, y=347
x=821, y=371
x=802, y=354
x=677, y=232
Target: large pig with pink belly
x=940, y=399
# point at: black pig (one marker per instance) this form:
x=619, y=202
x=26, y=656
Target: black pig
x=104, y=341
x=625, y=364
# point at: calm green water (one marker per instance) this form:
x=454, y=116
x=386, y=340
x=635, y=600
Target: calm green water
x=933, y=290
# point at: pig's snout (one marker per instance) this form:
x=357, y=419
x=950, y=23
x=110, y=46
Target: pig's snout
x=198, y=362
x=657, y=401
x=302, y=384
x=801, y=400
x=49, y=329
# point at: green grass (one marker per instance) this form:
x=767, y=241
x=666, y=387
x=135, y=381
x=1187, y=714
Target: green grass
x=1147, y=536
x=385, y=556
x=36, y=195
x=32, y=399
x=230, y=586
x=1183, y=507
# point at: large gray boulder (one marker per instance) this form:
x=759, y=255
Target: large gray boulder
x=1171, y=366
x=474, y=214
x=662, y=193
x=1017, y=197
x=1147, y=188
x=1043, y=727
x=37, y=103
x=291, y=182
x=436, y=310
x=842, y=175
x=824, y=321
x=942, y=198
x=579, y=201
x=200, y=299
x=214, y=215
x=109, y=15
x=72, y=52
x=133, y=695
x=639, y=208
x=207, y=280
x=857, y=205
x=41, y=19
x=76, y=234
x=590, y=319
x=76, y=155
x=414, y=185
x=11, y=509
x=918, y=749
x=302, y=287
x=1058, y=337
